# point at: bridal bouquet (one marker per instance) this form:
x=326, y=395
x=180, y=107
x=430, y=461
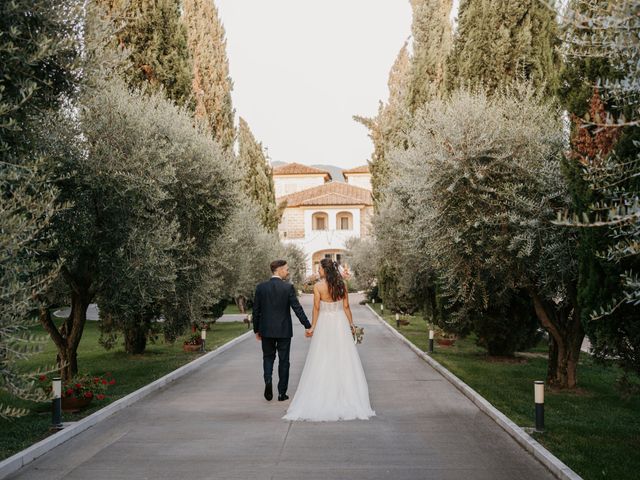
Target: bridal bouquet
x=358, y=334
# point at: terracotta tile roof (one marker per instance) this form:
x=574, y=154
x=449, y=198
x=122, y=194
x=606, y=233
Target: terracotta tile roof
x=331, y=193
x=299, y=169
x=360, y=169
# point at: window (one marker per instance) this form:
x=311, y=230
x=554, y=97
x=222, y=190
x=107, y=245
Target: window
x=344, y=221
x=320, y=221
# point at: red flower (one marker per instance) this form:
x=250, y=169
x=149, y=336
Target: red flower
x=42, y=378
x=88, y=394
x=112, y=382
x=96, y=379
x=69, y=391
x=100, y=396
x=104, y=382
x=78, y=385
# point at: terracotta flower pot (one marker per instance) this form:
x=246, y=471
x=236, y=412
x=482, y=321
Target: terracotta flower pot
x=191, y=348
x=445, y=342
x=73, y=404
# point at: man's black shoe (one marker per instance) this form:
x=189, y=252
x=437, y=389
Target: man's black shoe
x=268, y=391
x=282, y=398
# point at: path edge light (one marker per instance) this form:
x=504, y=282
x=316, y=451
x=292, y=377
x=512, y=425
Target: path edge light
x=56, y=403
x=430, y=341
x=538, y=392
x=203, y=337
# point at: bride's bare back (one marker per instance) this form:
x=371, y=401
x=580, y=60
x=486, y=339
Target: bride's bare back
x=323, y=290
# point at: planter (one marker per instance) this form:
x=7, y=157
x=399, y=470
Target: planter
x=445, y=342
x=73, y=404
x=191, y=348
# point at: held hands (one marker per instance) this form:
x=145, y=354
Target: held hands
x=308, y=332
x=258, y=337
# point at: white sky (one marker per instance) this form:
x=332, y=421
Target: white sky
x=302, y=68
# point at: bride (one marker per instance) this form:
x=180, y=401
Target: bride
x=332, y=386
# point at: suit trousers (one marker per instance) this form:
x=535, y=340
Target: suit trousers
x=269, y=348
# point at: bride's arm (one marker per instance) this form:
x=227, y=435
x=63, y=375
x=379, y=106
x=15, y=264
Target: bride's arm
x=316, y=306
x=346, y=307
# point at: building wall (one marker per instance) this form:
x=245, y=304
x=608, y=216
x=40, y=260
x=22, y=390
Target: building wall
x=292, y=224
x=287, y=184
x=314, y=241
x=362, y=180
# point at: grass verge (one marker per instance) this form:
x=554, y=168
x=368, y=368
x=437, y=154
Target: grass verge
x=595, y=430
x=130, y=371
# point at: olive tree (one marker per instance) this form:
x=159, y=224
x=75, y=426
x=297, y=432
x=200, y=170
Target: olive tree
x=37, y=60
x=241, y=256
x=483, y=175
x=116, y=238
x=362, y=259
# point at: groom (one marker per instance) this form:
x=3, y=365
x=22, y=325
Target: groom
x=272, y=325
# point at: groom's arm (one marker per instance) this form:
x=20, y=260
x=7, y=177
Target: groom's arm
x=256, y=313
x=297, y=308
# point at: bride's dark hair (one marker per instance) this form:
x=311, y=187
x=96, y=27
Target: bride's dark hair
x=332, y=275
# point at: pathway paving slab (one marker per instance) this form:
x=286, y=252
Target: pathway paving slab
x=215, y=424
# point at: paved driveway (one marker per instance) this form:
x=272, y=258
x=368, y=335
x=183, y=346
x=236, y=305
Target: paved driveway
x=215, y=424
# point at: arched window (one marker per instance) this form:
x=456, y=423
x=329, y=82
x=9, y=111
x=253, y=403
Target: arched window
x=344, y=221
x=320, y=221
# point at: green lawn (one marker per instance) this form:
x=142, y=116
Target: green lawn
x=233, y=308
x=595, y=430
x=130, y=371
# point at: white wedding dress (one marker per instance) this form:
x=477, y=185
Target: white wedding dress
x=332, y=385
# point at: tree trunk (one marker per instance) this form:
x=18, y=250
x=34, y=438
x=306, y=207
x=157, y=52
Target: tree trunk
x=135, y=338
x=241, y=302
x=67, y=338
x=552, y=362
x=565, y=329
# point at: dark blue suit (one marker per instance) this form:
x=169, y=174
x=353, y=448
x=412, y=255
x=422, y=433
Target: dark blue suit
x=272, y=306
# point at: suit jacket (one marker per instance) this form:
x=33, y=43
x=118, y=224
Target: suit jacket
x=272, y=306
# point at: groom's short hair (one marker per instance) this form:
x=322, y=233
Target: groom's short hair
x=276, y=264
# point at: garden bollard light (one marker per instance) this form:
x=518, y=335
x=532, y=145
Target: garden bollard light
x=373, y=300
x=56, y=417
x=203, y=336
x=538, y=389
x=397, y=320
x=430, y=341
x=381, y=308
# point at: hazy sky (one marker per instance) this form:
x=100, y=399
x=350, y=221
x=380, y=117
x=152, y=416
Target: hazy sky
x=302, y=68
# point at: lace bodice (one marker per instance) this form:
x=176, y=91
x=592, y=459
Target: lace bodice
x=330, y=306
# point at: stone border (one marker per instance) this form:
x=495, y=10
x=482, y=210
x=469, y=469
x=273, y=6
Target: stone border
x=544, y=456
x=21, y=459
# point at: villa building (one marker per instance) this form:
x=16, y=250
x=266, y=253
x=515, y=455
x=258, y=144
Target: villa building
x=320, y=214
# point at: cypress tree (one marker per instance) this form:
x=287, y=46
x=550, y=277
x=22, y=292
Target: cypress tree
x=257, y=177
x=584, y=95
x=432, y=39
x=387, y=129
x=156, y=39
x=501, y=41
x=211, y=82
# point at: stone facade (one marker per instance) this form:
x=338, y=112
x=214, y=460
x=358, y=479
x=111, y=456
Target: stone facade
x=322, y=215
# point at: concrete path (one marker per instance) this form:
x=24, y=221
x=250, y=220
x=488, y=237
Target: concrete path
x=215, y=424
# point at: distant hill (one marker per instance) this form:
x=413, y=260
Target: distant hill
x=336, y=172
